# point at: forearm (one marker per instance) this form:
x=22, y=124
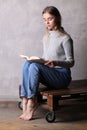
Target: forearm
x=67, y=64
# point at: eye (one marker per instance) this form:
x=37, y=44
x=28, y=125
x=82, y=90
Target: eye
x=44, y=19
x=51, y=18
x=48, y=19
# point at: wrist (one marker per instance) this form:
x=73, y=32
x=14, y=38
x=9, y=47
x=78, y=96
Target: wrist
x=55, y=63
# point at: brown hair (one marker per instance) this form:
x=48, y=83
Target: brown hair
x=55, y=12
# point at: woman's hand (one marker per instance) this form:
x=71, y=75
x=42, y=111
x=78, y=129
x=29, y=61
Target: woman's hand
x=49, y=63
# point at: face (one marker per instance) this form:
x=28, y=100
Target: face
x=49, y=21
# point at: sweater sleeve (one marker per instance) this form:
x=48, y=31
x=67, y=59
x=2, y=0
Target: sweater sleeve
x=67, y=45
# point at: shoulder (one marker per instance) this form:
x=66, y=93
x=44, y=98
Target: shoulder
x=64, y=35
x=67, y=41
x=66, y=38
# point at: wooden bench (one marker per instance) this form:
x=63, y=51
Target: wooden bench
x=54, y=96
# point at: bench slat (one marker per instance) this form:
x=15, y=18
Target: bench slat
x=67, y=91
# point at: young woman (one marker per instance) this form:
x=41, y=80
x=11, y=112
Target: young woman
x=58, y=58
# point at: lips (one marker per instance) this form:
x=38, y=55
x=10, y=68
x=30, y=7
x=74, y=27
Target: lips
x=48, y=26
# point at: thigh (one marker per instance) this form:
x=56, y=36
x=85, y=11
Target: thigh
x=53, y=77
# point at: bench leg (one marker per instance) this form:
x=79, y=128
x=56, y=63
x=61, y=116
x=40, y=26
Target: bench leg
x=39, y=98
x=19, y=90
x=52, y=102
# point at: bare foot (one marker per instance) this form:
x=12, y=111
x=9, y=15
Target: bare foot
x=22, y=116
x=24, y=102
x=29, y=114
x=31, y=107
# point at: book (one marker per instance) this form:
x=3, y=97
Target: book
x=33, y=58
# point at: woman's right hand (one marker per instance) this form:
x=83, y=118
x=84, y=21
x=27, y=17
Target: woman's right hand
x=49, y=63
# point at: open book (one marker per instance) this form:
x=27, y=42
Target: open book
x=33, y=58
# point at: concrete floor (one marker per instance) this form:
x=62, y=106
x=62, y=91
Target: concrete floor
x=67, y=118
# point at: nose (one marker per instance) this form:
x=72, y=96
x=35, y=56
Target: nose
x=47, y=22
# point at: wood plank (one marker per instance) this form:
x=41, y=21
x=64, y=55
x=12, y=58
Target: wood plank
x=68, y=91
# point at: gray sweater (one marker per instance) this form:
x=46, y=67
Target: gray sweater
x=59, y=49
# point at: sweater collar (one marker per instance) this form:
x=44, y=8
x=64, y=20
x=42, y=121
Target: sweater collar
x=54, y=33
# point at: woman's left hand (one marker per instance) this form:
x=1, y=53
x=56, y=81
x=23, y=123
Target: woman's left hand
x=49, y=63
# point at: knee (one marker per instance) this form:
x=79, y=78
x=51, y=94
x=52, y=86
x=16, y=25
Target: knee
x=34, y=67
x=25, y=65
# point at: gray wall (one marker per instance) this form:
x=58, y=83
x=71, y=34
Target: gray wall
x=21, y=32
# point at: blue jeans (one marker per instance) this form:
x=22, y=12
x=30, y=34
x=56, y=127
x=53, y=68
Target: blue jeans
x=34, y=73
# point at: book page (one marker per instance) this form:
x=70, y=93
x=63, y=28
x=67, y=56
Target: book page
x=24, y=57
x=33, y=58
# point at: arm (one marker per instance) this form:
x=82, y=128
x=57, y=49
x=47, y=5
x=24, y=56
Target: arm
x=69, y=54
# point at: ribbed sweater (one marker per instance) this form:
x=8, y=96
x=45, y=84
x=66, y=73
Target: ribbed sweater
x=58, y=48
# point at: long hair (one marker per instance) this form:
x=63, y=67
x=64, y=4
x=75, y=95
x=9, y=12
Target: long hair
x=55, y=12
x=58, y=20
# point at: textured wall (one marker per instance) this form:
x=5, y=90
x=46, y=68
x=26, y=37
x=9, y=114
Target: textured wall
x=21, y=32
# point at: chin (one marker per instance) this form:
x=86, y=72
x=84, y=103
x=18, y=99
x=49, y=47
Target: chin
x=49, y=28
